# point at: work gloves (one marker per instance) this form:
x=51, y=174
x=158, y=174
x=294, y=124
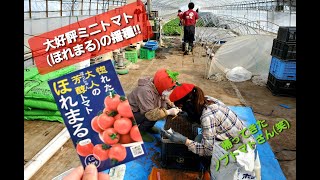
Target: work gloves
x=173, y=111
x=174, y=136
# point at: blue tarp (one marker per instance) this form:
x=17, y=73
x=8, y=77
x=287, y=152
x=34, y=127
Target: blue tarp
x=270, y=168
x=140, y=169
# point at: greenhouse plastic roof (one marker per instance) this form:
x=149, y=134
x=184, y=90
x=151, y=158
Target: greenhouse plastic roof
x=169, y=4
x=213, y=13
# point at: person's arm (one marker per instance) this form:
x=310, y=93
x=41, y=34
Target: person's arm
x=167, y=104
x=170, y=104
x=148, y=105
x=196, y=18
x=161, y=113
x=156, y=114
x=204, y=148
x=146, y=100
x=183, y=16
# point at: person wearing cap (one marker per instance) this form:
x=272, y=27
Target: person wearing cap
x=150, y=102
x=217, y=121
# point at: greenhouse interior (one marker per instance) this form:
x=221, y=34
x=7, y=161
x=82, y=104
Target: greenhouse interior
x=234, y=59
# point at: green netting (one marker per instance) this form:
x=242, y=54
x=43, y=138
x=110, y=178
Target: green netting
x=55, y=74
x=29, y=84
x=40, y=104
x=41, y=112
x=30, y=72
x=41, y=91
x=45, y=118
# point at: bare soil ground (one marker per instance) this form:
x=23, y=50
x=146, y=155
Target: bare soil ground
x=192, y=70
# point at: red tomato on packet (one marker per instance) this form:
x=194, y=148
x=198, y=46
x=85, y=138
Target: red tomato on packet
x=105, y=121
x=95, y=126
x=101, y=152
x=112, y=101
x=84, y=147
x=122, y=125
x=115, y=127
x=117, y=152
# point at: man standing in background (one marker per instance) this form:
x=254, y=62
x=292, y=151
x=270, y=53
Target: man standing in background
x=180, y=14
x=189, y=19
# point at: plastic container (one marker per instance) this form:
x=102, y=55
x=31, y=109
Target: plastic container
x=281, y=87
x=177, y=156
x=283, y=50
x=283, y=70
x=132, y=56
x=147, y=54
x=151, y=45
x=286, y=34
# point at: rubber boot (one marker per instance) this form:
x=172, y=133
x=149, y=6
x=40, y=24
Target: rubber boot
x=190, y=51
x=183, y=46
x=186, y=48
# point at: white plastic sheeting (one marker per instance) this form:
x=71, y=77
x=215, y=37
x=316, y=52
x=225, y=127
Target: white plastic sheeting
x=34, y=27
x=251, y=52
x=238, y=74
x=243, y=16
x=212, y=34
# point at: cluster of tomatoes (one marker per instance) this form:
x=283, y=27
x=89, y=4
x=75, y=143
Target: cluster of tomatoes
x=115, y=126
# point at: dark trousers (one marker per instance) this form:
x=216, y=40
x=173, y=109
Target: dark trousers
x=143, y=123
x=188, y=36
x=205, y=160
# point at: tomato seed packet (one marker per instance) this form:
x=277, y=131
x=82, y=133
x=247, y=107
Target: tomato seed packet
x=98, y=116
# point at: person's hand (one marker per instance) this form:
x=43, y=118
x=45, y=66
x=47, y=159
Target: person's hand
x=173, y=111
x=89, y=173
x=175, y=136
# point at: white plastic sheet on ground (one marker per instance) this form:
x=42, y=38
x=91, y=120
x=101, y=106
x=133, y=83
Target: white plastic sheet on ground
x=252, y=52
x=238, y=74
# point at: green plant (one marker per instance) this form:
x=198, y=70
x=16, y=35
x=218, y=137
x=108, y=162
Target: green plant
x=172, y=28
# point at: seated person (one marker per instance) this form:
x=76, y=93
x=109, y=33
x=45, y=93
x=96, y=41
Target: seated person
x=218, y=123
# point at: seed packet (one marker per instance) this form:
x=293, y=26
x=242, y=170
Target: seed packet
x=98, y=116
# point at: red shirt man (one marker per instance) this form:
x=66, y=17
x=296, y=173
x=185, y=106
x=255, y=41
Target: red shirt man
x=190, y=17
x=189, y=20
